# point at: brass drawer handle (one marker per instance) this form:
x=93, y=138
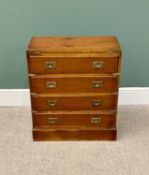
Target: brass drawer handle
x=52, y=121
x=52, y=103
x=50, y=65
x=98, y=64
x=97, y=84
x=95, y=120
x=96, y=103
x=51, y=84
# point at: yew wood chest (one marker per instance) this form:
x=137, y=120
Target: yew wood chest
x=74, y=84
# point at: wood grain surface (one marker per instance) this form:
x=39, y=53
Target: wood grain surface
x=74, y=84
x=72, y=64
x=74, y=119
x=70, y=102
x=74, y=44
x=74, y=134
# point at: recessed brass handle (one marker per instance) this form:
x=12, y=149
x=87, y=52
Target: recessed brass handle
x=97, y=84
x=50, y=65
x=98, y=64
x=95, y=120
x=52, y=121
x=96, y=103
x=52, y=103
x=51, y=84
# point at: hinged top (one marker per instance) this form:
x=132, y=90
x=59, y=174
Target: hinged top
x=81, y=44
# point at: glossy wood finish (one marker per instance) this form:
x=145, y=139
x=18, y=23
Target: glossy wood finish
x=71, y=64
x=74, y=134
x=73, y=83
x=83, y=102
x=75, y=44
x=41, y=120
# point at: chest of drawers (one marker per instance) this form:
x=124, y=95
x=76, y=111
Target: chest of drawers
x=74, y=83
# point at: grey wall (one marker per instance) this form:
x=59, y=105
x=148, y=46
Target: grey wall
x=21, y=19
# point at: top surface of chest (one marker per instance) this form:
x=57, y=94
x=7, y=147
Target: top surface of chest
x=74, y=44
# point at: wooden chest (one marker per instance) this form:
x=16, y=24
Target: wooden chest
x=74, y=83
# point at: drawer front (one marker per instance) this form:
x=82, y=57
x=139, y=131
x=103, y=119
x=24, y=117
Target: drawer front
x=40, y=84
x=88, y=120
x=45, y=103
x=62, y=134
x=45, y=64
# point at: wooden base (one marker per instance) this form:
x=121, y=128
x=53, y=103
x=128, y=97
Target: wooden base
x=73, y=134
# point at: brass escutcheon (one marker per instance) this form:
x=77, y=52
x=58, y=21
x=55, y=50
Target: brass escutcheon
x=50, y=65
x=96, y=103
x=98, y=64
x=95, y=120
x=52, y=120
x=52, y=103
x=51, y=84
x=97, y=84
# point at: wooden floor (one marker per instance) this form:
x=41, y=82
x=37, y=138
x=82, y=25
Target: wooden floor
x=129, y=155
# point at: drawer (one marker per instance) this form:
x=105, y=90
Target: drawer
x=73, y=102
x=69, y=64
x=74, y=134
x=87, y=119
x=73, y=83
